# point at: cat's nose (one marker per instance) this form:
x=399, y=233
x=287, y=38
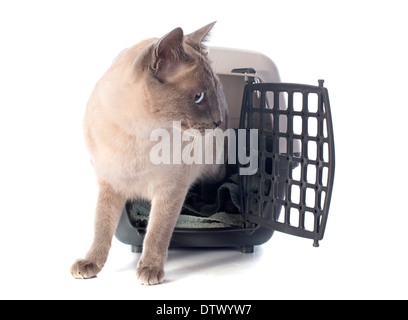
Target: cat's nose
x=217, y=123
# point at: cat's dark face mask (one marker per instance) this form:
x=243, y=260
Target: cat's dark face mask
x=182, y=83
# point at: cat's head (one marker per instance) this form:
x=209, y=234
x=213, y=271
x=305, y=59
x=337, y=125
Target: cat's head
x=180, y=82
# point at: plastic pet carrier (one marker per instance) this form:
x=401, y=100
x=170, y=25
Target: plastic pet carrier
x=291, y=188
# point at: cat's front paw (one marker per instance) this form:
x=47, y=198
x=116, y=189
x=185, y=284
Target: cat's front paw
x=150, y=275
x=84, y=269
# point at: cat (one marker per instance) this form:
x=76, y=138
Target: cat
x=149, y=86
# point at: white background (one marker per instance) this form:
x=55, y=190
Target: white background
x=53, y=52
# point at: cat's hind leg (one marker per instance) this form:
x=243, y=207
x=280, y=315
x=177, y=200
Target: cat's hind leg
x=108, y=211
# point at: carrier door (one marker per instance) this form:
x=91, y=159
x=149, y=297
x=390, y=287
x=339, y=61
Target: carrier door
x=291, y=190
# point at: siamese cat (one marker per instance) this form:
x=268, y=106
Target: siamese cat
x=150, y=86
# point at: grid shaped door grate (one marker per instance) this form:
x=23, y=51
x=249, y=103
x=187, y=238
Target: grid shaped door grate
x=294, y=180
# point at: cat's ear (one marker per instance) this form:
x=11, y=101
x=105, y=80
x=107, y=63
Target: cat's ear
x=168, y=55
x=201, y=35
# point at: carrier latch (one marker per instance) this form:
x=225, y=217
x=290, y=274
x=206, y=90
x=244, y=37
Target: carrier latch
x=246, y=71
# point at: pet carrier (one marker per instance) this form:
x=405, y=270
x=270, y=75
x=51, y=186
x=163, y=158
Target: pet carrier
x=291, y=188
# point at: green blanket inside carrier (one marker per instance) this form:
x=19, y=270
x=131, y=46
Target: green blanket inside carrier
x=222, y=210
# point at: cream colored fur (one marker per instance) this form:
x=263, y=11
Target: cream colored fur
x=147, y=87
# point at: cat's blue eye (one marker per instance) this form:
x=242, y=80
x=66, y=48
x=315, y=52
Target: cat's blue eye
x=199, y=97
